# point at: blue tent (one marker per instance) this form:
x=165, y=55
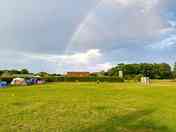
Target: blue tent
x=3, y=84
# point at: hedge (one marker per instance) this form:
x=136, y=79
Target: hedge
x=72, y=79
x=83, y=79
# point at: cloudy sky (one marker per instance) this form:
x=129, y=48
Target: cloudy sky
x=92, y=35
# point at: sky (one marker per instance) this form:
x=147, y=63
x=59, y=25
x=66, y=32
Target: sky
x=57, y=36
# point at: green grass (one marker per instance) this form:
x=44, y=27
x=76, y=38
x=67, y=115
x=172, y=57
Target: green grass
x=89, y=107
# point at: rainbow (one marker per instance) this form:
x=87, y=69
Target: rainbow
x=88, y=18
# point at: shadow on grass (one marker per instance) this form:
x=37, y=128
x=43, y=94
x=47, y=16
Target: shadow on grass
x=132, y=122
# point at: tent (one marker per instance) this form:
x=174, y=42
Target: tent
x=40, y=82
x=18, y=81
x=3, y=84
x=32, y=81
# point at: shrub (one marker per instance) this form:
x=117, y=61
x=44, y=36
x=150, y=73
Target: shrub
x=137, y=78
x=6, y=79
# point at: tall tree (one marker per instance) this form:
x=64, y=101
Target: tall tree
x=154, y=71
x=24, y=71
x=174, y=70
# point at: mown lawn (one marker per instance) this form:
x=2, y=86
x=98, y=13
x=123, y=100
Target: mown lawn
x=89, y=107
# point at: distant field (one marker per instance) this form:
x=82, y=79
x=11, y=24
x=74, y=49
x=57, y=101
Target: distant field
x=89, y=107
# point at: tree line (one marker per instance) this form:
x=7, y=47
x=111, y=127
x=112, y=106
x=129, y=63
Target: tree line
x=154, y=71
x=130, y=71
x=13, y=71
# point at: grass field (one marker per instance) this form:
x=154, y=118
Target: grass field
x=89, y=107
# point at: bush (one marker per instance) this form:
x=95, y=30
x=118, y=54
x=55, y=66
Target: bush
x=6, y=79
x=137, y=78
x=53, y=79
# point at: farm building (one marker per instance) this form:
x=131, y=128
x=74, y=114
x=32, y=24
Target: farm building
x=77, y=74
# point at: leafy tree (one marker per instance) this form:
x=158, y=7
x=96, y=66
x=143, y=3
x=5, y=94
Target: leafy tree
x=1, y=72
x=154, y=71
x=24, y=71
x=165, y=71
x=43, y=74
x=174, y=70
x=15, y=71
